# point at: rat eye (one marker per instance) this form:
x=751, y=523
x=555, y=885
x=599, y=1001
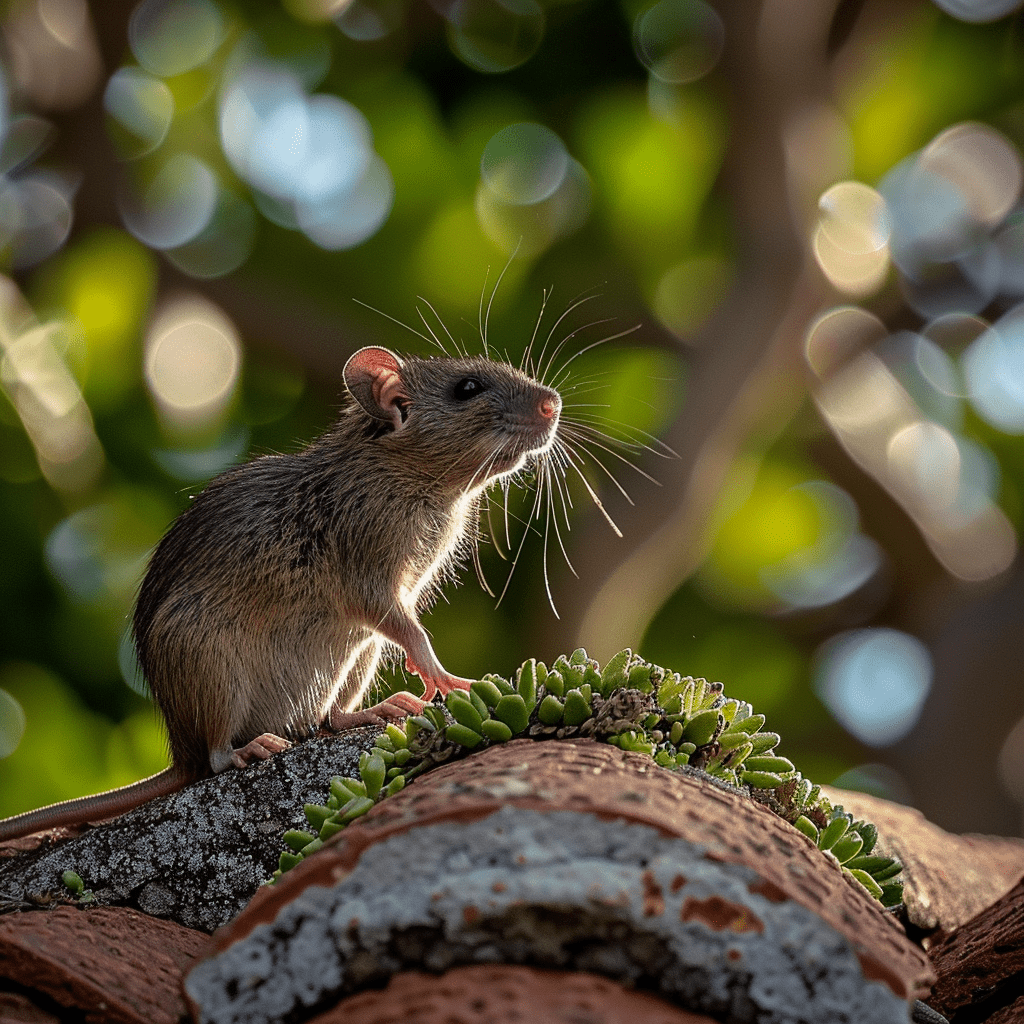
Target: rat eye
x=468, y=387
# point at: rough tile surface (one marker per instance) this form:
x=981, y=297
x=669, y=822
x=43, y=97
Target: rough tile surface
x=501, y=994
x=112, y=965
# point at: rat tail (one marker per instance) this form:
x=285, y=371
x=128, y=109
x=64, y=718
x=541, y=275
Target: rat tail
x=94, y=808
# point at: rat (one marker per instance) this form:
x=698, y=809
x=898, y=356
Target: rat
x=266, y=607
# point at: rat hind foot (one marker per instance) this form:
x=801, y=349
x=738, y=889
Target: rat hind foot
x=259, y=749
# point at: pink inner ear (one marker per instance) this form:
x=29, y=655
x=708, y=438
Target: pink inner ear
x=387, y=386
x=374, y=376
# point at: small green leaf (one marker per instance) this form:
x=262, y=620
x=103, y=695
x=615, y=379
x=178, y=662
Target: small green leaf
x=702, y=727
x=497, y=732
x=577, y=709
x=805, y=825
x=550, y=710
x=287, y=860
x=463, y=711
x=873, y=888
x=486, y=691
x=555, y=684
x=769, y=763
x=373, y=771
x=526, y=685
x=317, y=814
x=833, y=832
x=761, y=780
x=512, y=710
x=463, y=735
x=297, y=839
x=848, y=847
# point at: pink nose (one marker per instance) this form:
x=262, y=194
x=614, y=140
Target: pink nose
x=549, y=405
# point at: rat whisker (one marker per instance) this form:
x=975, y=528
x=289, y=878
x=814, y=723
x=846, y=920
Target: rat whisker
x=491, y=532
x=477, y=565
x=601, y=341
x=460, y=350
x=574, y=305
x=527, y=361
x=558, y=533
x=434, y=338
x=590, y=490
x=484, y=319
x=650, y=443
x=394, y=320
x=544, y=561
x=553, y=374
x=581, y=449
x=519, y=550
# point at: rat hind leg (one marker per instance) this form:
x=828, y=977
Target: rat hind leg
x=342, y=716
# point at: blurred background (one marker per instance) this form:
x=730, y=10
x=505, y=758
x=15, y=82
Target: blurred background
x=809, y=210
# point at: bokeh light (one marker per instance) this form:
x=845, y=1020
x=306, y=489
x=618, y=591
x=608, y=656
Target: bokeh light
x=945, y=205
x=875, y=682
x=994, y=370
x=170, y=37
x=787, y=544
x=310, y=158
x=531, y=191
x=978, y=11
x=53, y=56
x=943, y=481
x=35, y=217
x=193, y=358
x=679, y=41
x=524, y=164
x=1011, y=763
x=98, y=553
x=142, y=107
x=12, y=724
x=495, y=36
x=852, y=239
x=176, y=206
x=46, y=397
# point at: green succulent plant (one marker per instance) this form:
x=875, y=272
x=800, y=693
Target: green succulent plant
x=681, y=722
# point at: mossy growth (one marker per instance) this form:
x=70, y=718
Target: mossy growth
x=681, y=722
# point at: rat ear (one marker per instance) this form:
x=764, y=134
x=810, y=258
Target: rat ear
x=373, y=376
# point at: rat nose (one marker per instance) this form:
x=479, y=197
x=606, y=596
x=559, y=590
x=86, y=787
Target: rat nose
x=549, y=405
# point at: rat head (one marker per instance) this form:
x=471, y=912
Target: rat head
x=472, y=419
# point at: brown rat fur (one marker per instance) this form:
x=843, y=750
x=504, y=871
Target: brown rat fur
x=266, y=606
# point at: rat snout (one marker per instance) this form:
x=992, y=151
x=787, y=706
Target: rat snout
x=549, y=405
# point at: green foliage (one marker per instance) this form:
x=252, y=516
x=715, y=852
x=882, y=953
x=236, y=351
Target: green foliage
x=682, y=722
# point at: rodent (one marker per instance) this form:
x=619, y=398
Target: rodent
x=265, y=608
